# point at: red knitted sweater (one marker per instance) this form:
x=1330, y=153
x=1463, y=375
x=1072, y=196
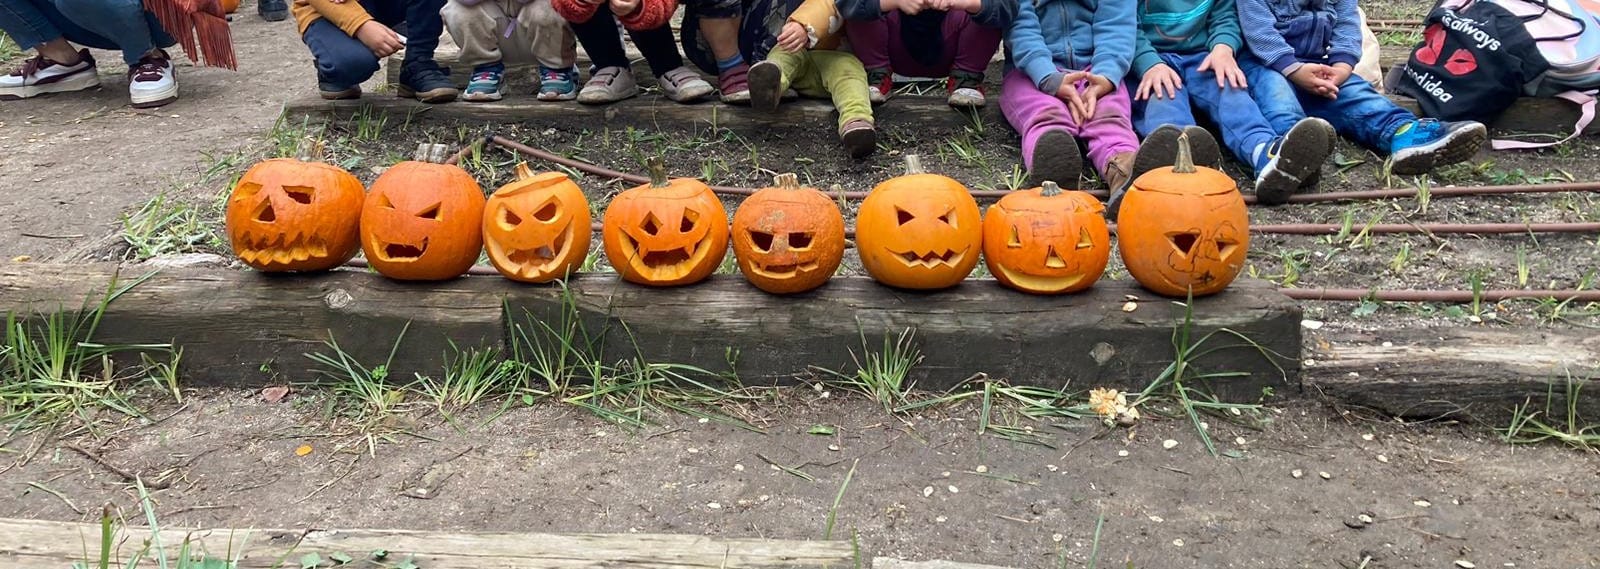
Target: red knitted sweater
x=650, y=15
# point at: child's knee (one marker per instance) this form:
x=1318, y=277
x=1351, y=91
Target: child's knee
x=347, y=67
x=456, y=14
x=717, y=9
x=541, y=14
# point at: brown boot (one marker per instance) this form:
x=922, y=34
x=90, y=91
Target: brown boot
x=860, y=138
x=1118, y=176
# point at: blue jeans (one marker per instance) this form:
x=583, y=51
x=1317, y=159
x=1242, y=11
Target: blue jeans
x=1236, y=114
x=1360, y=113
x=343, y=61
x=102, y=24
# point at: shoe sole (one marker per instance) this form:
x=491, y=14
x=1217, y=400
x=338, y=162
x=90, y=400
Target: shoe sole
x=68, y=85
x=861, y=142
x=440, y=95
x=607, y=99
x=340, y=95
x=155, y=99
x=1203, y=147
x=482, y=97
x=1159, y=150
x=1056, y=159
x=1456, y=147
x=1305, y=147
x=557, y=96
x=766, y=86
x=690, y=96
x=274, y=15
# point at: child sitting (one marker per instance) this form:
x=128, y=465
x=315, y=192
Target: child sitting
x=806, y=59
x=928, y=38
x=492, y=33
x=1303, y=54
x=1066, y=60
x=348, y=38
x=1186, y=63
x=595, y=24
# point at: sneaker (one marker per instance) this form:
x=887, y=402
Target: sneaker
x=1056, y=158
x=859, y=137
x=1292, y=159
x=1424, y=144
x=151, y=82
x=608, y=85
x=1203, y=148
x=485, y=83
x=273, y=10
x=426, y=81
x=41, y=75
x=880, y=85
x=966, y=90
x=684, y=86
x=1118, y=176
x=336, y=93
x=735, y=85
x=766, y=86
x=1160, y=149
x=558, y=84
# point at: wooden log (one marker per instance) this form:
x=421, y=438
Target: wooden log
x=31, y=544
x=1469, y=372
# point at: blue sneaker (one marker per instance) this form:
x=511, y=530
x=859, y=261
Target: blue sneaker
x=1424, y=144
x=558, y=84
x=485, y=83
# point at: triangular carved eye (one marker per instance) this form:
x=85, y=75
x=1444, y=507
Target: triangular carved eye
x=651, y=225
x=1085, y=240
x=508, y=218
x=300, y=194
x=799, y=241
x=761, y=240
x=1015, y=242
x=1184, y=242
x=383, y=201
x=548, y=213
x=949, y=218
x=1225, y=248
x=903, y=216
x=431, y=213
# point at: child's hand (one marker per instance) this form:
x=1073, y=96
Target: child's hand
x=1338, y=73
x=1314, y=78
x=911, y=7
x=1161, y=81
x=624, y=7
x=1222, y=63
x=1082, y=100
x=889, y=5
x=970, y=6
x=793, y=37
x=379, y=38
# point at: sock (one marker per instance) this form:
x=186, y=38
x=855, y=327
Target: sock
x=1259, y=156
x=724, y=65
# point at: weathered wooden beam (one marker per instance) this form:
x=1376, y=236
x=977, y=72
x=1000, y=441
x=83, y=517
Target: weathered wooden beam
x=1470, y=372
x=32, y=544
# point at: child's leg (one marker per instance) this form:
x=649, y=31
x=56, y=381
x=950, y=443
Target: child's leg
x=601, y=39
x=423, y=28
x=841, y=76
x=1244, y=128
x=1109, y=133
x=1150, y=114
x=969, y=45
x=870, y=39
x=659, y=48
x=477, y=30
x=1360, y=113
x=547, y=34
x=342, y=62
x=1278, y=99
x=1048, y=149
x=768, y=79
x=1414, y=146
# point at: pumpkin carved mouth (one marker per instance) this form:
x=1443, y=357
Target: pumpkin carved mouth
x=932, y=259
x=783, y=271
x=1040, y=283
x=403, y=252
x=280, y=248
x=665, y=264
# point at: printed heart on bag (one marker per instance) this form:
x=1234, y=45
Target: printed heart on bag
x=1461, y=62
x=1433, y=43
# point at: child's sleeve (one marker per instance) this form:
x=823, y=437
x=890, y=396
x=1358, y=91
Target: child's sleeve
x=1261, y=36
x=1224, y=25
x=997, y=14
x=348, y=16
x=1028, y=50
x=1115, y=29
x=575, y=11
x=820, y=19
x=1346, y=33
x=860, y=9
x=651, y=14
x=1145, y=55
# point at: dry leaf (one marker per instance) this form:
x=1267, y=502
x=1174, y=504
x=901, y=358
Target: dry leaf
x=303, y=450
x=275, y=393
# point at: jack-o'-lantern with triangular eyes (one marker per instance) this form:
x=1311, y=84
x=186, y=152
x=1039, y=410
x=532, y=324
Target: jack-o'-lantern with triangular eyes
x=1184, y=229
x=1046, y=241
x=665, y=232
x=788, y=239
x=536, y=229
x=422, y=220
x=295, y=215
x=919, y=231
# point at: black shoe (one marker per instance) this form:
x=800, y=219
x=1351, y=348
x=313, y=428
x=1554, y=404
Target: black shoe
x=1292, y=160
x=426, y=81
x=766, y=86
x=1203, y=147
x=1056, y=159
x=273, y=10
x=1160, y=149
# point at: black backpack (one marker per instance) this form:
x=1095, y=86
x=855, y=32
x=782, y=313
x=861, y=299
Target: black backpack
x=1474, y=61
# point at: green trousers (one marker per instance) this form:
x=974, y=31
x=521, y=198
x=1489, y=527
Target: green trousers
x=827, y=74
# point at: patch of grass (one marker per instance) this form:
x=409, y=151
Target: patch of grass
x=166, y=225
x=882, y=375
x=9, y=50
x=365, y=394
x=470, y=376
x=1561, y=423
x=153, y=551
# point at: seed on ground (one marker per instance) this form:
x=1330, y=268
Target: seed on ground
x=953, y=489
x=981, y=469
x=1422, y=503
x=714, y=505
x=1178, y=542
x=1297, y=473
x=1383, y=459
x=1169, y=444
x=926, y=492
x=738, y=468
x=1325, y=476
x=1464, y=564
x=1122, y=453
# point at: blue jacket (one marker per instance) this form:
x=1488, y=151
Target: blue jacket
x=1051, y=35
x=1284, y=33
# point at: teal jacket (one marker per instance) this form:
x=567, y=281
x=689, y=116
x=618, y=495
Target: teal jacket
x=1184, y=27
x=1051, y=35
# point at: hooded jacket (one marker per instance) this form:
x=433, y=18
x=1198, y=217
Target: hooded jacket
x=1051, y=35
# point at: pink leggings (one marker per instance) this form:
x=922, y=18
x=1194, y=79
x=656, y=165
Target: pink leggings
x=1033, y=112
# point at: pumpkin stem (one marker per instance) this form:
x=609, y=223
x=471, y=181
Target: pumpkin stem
x=432, y=153
x=787, y=181
x=658, y=172
x=1049, y=188
x=523, y=171
x=1185, y=161
x=914, y=164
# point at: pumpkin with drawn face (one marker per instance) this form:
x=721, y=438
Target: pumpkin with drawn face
x=666, y=232
x=919, y=231
x=293, y=215
x=1184, y=229
x=536, y=229
x=1046, y=241
x=788, y=239
x=422, y=219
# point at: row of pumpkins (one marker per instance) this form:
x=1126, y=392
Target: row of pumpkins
x=1184, y=228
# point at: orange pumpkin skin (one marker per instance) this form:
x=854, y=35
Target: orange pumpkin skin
x=230, y=6
x=422, y=221
x=1184, y=228
x=536, y=229
x=1045, y=241
x=919, y=231
x=665, y=232
x=788, y=239
x=290, y=215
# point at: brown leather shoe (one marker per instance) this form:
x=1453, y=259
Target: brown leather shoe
x=859, y=137
x=1118, y=176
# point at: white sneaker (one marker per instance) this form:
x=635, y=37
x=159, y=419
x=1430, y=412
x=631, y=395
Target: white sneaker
x=41, y=75
x=684, y=86
x=152, y=82
x=608, y=85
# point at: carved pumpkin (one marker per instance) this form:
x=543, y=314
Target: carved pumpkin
x=536, y=229
x=295, y=215
x=666, y=232
x=788, y=239
x=230, y=6
x=422, y=219
x=1184, y=228
x=919, y=231
x=1046, y=241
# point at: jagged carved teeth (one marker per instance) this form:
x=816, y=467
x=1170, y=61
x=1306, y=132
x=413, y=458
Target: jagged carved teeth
x=280, y=248
x=783, y=271
x=538, y=258
x=931, y=259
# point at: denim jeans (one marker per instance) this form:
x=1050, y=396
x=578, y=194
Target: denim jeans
x=1236, y=114
x=1360, y=113
x=343, y=61
x=102, y=24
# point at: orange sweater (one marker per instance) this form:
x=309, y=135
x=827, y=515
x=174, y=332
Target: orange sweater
x=650, y=14
x=348, y=16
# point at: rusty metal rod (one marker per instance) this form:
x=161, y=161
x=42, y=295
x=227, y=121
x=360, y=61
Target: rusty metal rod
x=1424, y=228
x=1355, y=294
